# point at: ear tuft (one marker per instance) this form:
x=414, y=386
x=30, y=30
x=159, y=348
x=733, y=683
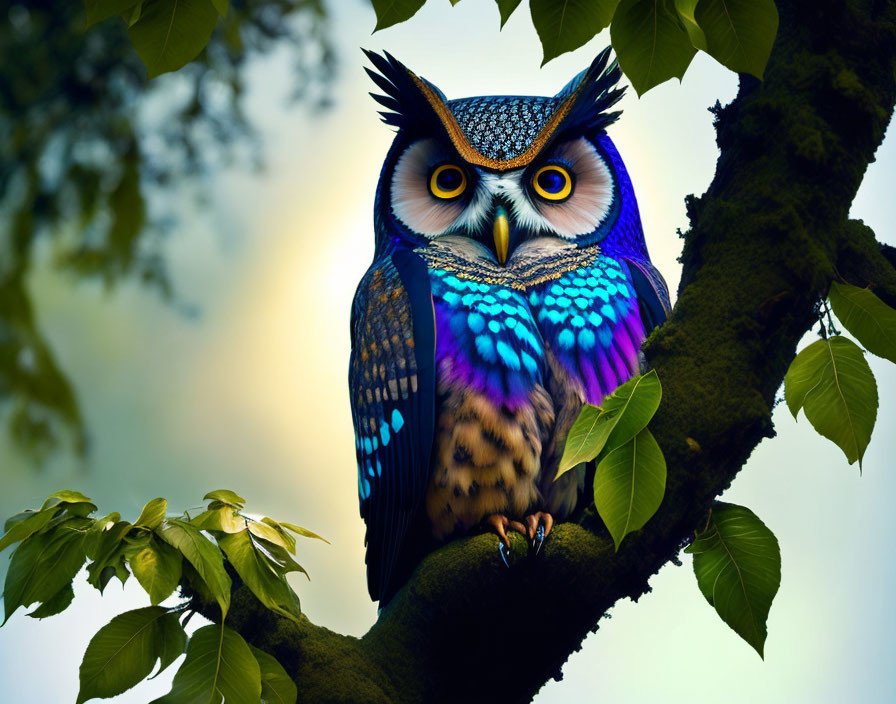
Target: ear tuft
x=595, y=92
x=408, y=107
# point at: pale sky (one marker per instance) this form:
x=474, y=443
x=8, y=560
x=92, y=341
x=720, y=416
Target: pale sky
x=252, y=396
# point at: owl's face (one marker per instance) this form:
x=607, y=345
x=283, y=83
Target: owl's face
x=500, y=170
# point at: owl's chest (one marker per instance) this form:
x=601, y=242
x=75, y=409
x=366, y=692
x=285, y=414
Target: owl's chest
x=487, y=337
x=503, y=340
x=590, y=319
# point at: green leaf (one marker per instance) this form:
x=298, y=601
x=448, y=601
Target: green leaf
x=738, y=567
x=171, y=641
x=69, y=499
x=739, y=33
x=200, y=588
x=225, y=496
x=34, y=523
x=304, y=532
x=390, y=12
x=623, y=415
x=43, y=565
x=219, y=664
x=506, y=8
x=109, y=550
x=171, y=33
x=869, y=319
x=276, y=685
x=565, y=25
x=153, y=514
x=18, y=518
x=79, y=508
x=263, y=571
x=55, y=604
x=629, y=485
x=221, y=6
x=586, y=438
x=157, y=566
x=133, y=14
x=833, y=384
x=225, y=519
x=93, y=540
x=202, y=554
x=72, y=497
x=650, y=43
x=99, y=10
x=286, y=538
x=272, y=535
x=685, y=10
x=279, y=559
x=631, y=407
x=125, y=650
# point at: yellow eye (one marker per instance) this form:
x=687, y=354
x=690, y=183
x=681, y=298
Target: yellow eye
x=447, y=181
x=552, y=182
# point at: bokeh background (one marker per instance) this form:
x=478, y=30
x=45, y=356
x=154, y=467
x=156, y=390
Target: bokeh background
x=241, y=384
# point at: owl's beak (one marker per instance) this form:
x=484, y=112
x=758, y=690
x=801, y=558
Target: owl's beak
x=501, y=233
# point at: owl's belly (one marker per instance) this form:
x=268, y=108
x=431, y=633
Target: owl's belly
x=486, y=460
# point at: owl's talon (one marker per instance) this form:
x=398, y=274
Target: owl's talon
x=539, y=525
x=504, y=552
x=538, y=540
x=501, y=524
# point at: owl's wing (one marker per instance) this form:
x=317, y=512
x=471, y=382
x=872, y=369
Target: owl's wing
x=392, y=387
x=652, y=292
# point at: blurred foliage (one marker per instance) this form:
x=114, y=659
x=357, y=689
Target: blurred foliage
x=89, y=147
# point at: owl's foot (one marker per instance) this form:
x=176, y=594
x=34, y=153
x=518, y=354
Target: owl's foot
x=538, y=526
x=501, y=524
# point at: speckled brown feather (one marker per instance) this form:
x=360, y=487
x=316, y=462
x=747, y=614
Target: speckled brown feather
x=486, y=459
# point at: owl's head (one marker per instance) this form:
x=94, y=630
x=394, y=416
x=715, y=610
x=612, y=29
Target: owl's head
x=502, y=169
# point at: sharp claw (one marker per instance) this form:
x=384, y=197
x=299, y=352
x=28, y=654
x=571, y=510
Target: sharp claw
x=539, y=524
x=538, y=540
x=504, y=551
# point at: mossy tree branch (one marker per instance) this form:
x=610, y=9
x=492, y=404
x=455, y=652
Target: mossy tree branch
x=766, y=240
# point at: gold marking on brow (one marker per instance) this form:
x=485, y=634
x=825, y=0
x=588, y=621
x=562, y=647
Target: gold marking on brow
x=472, y=155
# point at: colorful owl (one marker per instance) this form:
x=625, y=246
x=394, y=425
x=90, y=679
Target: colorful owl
x=510, y=284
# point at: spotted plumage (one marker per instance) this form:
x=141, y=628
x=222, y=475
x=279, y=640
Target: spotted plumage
x=510, y=284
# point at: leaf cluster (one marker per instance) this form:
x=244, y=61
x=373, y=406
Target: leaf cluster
x=161, y=551
x=630, y=476
x=654, y=40
x=736, y=558
x=831, y=381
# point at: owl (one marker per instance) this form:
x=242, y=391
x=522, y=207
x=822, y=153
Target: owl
x=510, y=284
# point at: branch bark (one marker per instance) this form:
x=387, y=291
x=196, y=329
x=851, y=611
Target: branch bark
x=766, y=240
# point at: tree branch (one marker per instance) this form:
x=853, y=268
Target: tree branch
x=766, y=240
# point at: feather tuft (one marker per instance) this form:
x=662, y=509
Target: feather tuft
x=408, y=108
x=595, y=93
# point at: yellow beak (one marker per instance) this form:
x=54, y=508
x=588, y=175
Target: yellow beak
x=501, y=232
